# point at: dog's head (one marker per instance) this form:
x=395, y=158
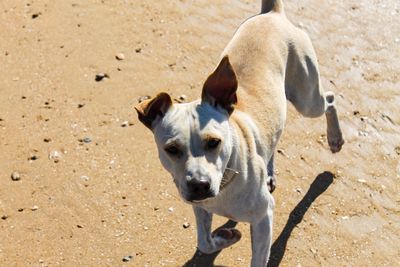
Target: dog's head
x=194, y=140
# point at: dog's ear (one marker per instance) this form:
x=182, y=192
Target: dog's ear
x=149, y=110
x=220, y=87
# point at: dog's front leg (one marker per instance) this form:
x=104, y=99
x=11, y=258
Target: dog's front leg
x=221, y=238
x=261, y=239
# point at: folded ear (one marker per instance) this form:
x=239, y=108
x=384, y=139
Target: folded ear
x=151, y=109
x=220, y=87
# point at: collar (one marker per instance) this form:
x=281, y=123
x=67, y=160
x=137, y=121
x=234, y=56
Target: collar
x=227, y=178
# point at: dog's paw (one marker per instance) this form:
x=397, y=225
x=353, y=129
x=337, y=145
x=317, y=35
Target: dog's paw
x=271, y=183
x=225, y=237
x=220, y=239
x=335, y=142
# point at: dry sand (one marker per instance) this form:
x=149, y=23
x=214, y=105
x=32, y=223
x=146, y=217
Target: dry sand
x=98, y=199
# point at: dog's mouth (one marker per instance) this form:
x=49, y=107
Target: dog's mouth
x=199, y=199
x=227, y=178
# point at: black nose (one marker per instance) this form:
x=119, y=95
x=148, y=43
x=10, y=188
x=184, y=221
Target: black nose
x=199, y=189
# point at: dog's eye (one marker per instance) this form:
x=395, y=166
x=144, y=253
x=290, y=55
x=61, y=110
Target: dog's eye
x=213, y=143
x=172, y=150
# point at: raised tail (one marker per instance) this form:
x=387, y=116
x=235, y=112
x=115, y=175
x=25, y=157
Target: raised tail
x=271, y=5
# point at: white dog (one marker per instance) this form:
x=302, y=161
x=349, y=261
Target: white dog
x=220, y=148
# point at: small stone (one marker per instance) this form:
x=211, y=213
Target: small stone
x=362, y=181
x=138, y=50
x=34, y=208
x=171, y=209
x=120, y=56
x=33, y=157
x=36, y=15
x=298, y=190
x=15, y=176
x=282, y=152
x=81, y=105
x=4, y=217
x=125, y=124
x=143, y=98
x=85, y=178
x=47, y=140
x=79, y=226
x=127, y=258
x=314, y=251
x=100, y=76
x=55, y=156
x=20, y=210
x=86, y=140
x=186, y=225
x=362, y=133
x=181, y=99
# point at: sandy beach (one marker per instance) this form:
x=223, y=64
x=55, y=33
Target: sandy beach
x=80, y=180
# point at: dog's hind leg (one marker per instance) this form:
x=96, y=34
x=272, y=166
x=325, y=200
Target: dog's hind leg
x=221, y=238
x=334, y=133
x=303, y=89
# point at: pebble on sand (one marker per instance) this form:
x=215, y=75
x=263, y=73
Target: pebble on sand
x=186, y=225
x=100, y=76
x=34, y=208
x=181, y=99
x=86, y=140
x=85, y=178
x=120, y=56
x=15, y=176
x=36, y=15
x=33, y=157
x=55, y=156
x=127, y=258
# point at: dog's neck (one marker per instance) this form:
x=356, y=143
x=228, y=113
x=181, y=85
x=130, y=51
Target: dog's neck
x=233, y=167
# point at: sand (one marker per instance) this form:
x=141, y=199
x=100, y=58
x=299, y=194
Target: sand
x=91, y=190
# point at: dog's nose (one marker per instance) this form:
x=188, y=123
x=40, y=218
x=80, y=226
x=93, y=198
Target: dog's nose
x=199, y=189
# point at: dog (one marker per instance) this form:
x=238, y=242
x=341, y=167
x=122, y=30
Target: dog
x=220, y=149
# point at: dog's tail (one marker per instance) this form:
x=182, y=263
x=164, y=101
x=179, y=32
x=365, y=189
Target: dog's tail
x=272, y=5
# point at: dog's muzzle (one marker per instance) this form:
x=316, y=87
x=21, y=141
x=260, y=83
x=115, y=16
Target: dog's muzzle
x=199, y=189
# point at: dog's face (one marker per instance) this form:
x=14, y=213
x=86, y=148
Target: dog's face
x=194, y=140
x=194, y=145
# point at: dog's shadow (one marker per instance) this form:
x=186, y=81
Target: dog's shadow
x=319, y=186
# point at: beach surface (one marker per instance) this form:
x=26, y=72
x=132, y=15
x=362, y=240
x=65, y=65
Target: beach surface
x=80, y=179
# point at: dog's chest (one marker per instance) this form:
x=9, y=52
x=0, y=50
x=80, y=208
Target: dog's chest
x=242, y=206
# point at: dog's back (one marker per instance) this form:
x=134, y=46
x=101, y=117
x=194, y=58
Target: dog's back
x=258, y=53
x=274, y=61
